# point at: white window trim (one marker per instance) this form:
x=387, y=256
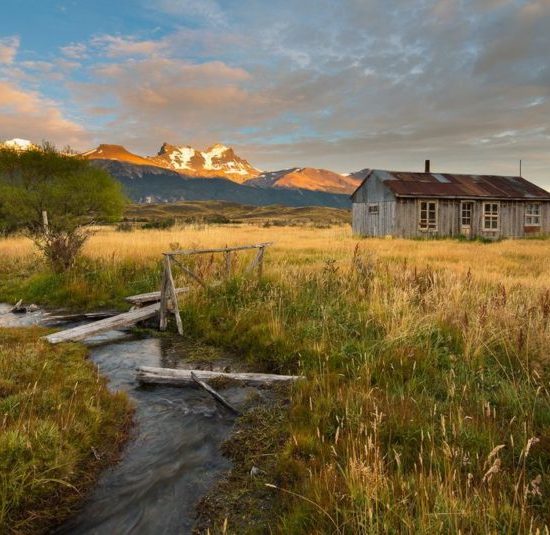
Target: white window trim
x=538, y=215
x=419, y=211
x=497, y=228
x=471, y=203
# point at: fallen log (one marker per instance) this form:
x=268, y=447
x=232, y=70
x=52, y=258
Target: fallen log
x=108, y=324
x=170, y=376
x=214, y=394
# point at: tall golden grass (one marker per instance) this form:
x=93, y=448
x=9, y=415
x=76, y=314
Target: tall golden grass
x=427, y=407
x=524, y=262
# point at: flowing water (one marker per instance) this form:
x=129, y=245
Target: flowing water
x=173, y=456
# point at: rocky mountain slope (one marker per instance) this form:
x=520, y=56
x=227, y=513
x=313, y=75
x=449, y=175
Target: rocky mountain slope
x=308, y=178
x=218, y=160
x=117, y=153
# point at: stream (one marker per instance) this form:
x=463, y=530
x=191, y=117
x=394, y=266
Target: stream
x=173, y=456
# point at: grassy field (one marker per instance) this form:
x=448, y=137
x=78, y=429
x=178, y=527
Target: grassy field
x=59, y=426
x=426, y=408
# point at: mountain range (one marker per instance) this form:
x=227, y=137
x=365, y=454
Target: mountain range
x=181, y=172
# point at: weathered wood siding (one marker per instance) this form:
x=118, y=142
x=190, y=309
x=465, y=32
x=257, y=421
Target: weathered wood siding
x=380, y=223
x=511, y=219
x=399, y=217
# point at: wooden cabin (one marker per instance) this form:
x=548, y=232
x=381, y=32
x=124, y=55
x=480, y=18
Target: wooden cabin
x=411, y=205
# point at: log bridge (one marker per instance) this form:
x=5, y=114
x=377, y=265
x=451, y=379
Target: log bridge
x=150, y=304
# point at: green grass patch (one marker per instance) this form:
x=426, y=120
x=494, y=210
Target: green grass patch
x=59, y=426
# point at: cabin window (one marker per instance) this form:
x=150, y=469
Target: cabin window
x=466, y=209
x=532, y=215
x=373, y=208
x=427, y=217
x=491, y=212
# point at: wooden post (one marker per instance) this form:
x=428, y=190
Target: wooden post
x=45, y=222
x=261, y=262
x=173, y=295
x=163, y=323
x=227, y=255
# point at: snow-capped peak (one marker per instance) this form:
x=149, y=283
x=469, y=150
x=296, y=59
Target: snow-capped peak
x=18, y=144
x=217, y=160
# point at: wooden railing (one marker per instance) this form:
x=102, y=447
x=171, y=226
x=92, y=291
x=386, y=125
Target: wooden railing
x=168, y=290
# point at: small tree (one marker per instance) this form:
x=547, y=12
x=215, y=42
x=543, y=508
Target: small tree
x=73, y=193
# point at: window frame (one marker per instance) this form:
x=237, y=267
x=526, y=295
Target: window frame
x=373, y=208
x=429, y=227
x=531, y=216
x=492, y=216
x=471, y=214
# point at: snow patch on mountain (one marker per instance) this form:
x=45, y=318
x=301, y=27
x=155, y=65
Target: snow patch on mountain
x=17, y=144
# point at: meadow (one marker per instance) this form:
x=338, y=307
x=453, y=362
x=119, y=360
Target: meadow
x=426, y=408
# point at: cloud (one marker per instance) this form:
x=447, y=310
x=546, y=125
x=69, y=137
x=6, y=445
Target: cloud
x=342, y=85
x=27, y=114
x=75, y=50
x=206, y=10
x=115, y=46
x=169, y=98
x=8, y=49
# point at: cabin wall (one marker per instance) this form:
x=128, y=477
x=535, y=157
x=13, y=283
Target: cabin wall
x=511, y=220
x=373, y=209
x=369, y=223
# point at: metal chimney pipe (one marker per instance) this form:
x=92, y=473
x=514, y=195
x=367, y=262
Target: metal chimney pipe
x=427, y=166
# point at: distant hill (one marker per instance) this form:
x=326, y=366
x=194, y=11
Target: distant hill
x=222, y=211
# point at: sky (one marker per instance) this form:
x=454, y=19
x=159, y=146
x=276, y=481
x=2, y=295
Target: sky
x=343, y=85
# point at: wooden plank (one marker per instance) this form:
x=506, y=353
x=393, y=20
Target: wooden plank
x=170, y=376
x=220, y=250
x=108, y=324
x=150, y=297
x=214, y=394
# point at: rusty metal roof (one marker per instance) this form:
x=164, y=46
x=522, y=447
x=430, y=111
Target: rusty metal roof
x=463, y=186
